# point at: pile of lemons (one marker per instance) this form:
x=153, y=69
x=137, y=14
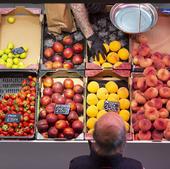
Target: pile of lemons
x=116, y=54
x=98, y=95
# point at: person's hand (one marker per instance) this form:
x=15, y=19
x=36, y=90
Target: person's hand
x=97, y=46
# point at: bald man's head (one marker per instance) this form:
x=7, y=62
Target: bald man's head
x=109, y=132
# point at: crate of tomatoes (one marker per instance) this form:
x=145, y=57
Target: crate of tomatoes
x=17, y=105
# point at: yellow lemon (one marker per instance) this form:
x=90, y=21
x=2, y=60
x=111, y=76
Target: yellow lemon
x=102, y=93
x=92, y=111
x=111, y=87
x=117, y=64
x=113, y=97
x=93, y=86
x=91, y=122
x=106, y=47
x=123, y=93
x=106, y=65
x=92, y=99
x=91, y=131
x=127, y=126
x=101, y=113
x=115, y=46
x=101, y=60
x=112, y=57
x=123, y=54
x=124, y=103
x=124, y=114
x=96, y=62
x=100, y=104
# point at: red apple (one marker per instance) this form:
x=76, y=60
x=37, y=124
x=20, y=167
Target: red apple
x=67, y=40
x=78, y=98
x=79, y=108
x=55, y=97
x=68, y=84
x=49, y=65
x=42, y=125
x=51, y=118
x=45, y=100
x=77, y=126
x=58, y=87
x=60, y=135
x=61, y=124
x=68, y=133
x=52, y=132
x=45, y=135
x=61, y=117
x=61, y=100
x=48, y=52
x=42, y=114
x=58, y=58
x=57, y=65
x=50, y=108
x=78, y=48
x=68, y=101
x=68, y=53
x=68, y=93
x=78, y=89
x=58, y=47
x=47, y=91
x=72, y=106
x=72, y=116
x=47, y=81
x=68, y=65
x=77, y=59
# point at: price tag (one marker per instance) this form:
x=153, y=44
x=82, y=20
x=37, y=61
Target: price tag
x=111, y=106
x=62, y=109
x=12, y=118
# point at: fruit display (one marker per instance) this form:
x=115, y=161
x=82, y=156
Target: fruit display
x=17, y=107
x=143, y=56
x=64, y=51
x=150, y=104
x=104, y=91
x=11, y=56
x=61, y=112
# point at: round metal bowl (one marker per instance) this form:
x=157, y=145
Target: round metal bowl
x=133, y=18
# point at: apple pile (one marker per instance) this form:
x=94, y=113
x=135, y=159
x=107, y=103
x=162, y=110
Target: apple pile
x=52, y=125
x=64, y=54
x=143, y=56
x=151, y=104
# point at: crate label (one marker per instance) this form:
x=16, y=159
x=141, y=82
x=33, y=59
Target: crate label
x=12, y=118
x=111, y=106
x=62, y=109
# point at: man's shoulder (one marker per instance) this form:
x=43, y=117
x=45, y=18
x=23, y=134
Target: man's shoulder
x=132, y=163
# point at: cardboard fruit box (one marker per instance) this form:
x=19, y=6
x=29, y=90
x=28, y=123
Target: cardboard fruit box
x=66, y=106
x=149, y=108
x=20, y=27
x=152, y=48
x=112, y=100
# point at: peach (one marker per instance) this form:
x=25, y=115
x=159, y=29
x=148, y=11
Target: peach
x=148, y=104
x=136, y=60
x=140, y=82
x=163, y=74
x=136, y=137
x=134, y=52
x=159, y=85
x=134, y=106
x=167, y=134
x=144, y=50
x=168, y=105
x=151, y=93
x=157, y=135
x=140, y=98
x=168, y=83
x=151, y=113
x=160, y=124
x=149, y=71
x=136, y=126
x=164, y=92
x=141, y=39
x=166, y=60
x=134, y=83
x=164, y=101
x=134, y=118
x=144, y=135
x=140, y=115
x=145, y=62
x=151, y=80
x=145, y=124
x=156, y=56
x=157, y=103
x=158, y=63
x=163, y=113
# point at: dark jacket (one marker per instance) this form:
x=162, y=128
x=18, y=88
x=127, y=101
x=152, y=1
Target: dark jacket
x=93, y=161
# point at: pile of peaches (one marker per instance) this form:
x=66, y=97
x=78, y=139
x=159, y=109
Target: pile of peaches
x=151, y=104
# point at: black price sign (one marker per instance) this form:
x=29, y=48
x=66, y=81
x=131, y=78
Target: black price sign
x=111, y=106
x=62, y=109
x=12, y=118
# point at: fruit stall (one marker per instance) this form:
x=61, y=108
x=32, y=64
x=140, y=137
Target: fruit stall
x=52, y=90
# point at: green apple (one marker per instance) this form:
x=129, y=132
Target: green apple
x=16, y=61
x=2, y=62
x=1, y=52
x=7, y=51
x=11, y=19
x=9, y=60
x=23, y=55
x=10, y=55
x=10, y=45
x=4, y=57
x=9, y=65
x=25, y=49
x=14, y=66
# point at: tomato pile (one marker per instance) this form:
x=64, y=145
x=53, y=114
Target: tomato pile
x=22, y=103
